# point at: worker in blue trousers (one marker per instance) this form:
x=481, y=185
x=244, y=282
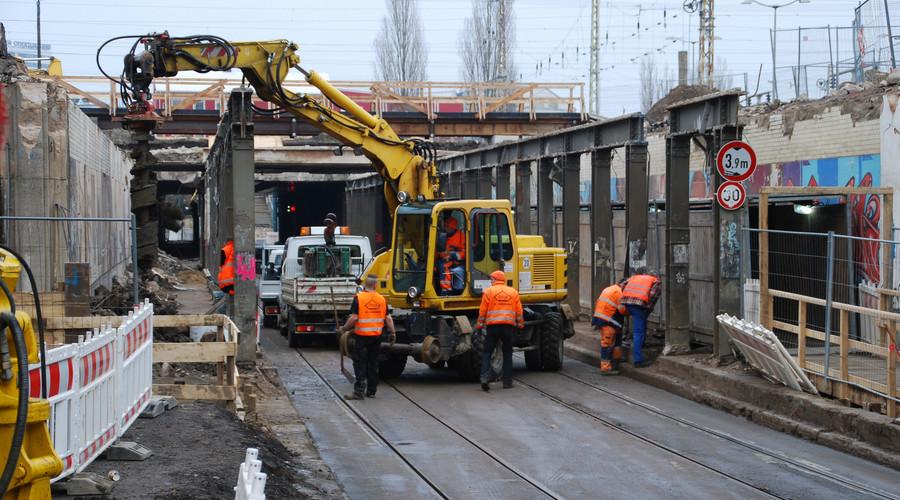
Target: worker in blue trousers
x=639, y=296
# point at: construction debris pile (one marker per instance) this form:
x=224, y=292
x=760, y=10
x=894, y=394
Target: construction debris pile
x=158, y=284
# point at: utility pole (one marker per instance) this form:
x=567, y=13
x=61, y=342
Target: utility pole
x=707, y=42
x=500, y=41
x=595, y=58
x=39, y=34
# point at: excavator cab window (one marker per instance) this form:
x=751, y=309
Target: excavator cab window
x=450, y=253
x=411, y=248
x=491, y=246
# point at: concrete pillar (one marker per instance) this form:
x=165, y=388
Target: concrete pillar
x=571, y=207
x=601, y=221
x=244, y=222
x=502, y=182
x=727, y=225
x=636, y=200
x=523, y=197
x=545, y=200
x=678, y=244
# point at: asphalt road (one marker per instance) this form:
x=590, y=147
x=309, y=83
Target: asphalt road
x=571, y=434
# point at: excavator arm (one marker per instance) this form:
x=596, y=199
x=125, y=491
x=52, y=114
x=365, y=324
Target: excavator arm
x=406, y=165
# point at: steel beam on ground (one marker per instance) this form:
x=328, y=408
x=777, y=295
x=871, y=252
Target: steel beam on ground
x=636, y=200
x=523, y=197
x=545, y=209
x=601, y=221
x=571, y=208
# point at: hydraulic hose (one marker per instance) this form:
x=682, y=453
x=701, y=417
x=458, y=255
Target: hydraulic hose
x=37, y=309
x=8, y=320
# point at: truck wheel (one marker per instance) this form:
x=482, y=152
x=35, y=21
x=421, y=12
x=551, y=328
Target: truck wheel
x=392, y=367
x=551, y=342
x=294, y=340
x=533, y=357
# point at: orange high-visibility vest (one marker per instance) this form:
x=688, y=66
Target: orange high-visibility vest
x=455, y=243
x=371, y=313
x=608, y=305
x=500, y=305
x=639, y=286
x=446, y=276
x=226, y=271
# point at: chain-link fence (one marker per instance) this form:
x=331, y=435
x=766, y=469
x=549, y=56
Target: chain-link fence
x=875, y=37
x=833, y=302
x=74, y=257
x=812, y=61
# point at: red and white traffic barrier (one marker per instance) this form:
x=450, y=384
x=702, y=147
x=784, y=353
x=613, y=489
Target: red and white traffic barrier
x=97, y=387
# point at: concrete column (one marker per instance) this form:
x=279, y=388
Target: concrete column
x=727, y=225
x=244, y=223
x=601, y=221
x=678, y=245
x=636, y=200
x=523, y=197
x=545, y=200
x=571, y=207
x=502, y=182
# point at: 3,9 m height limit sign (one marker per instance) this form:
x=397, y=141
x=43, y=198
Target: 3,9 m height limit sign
x=735, y=162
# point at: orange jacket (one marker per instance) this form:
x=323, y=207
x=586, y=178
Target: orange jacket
x=608, y=304
x=641, y=286
x=371, y=314
x=226, y=270
x=456, y=243
x=500, y=305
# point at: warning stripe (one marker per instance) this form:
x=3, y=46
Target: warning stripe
x=88, y=452
x=96, y=364
x=135, y=408
x=60, y=378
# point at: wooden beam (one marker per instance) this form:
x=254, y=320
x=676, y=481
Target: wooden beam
x=188, y=392
x=193, y=352
x=403, y=99
x=515, y=95
x=819, y=335
x=875, y=313
x=801, y=332
x=765, y=304
x=822, y=191
x=159, y=321
x=892, y=374
x=845, y=349
x=75, y=90
x=207, y=92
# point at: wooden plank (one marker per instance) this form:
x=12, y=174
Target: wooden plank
x=515, y=95
x=210, y=91
x=765, y=302
x=822, y=191
x=801, y=332
x=159, y=321
x=193, y=352
x=188, y=392
x=819, y=335
x=888, y=291
x=845, y=349
x=892, y=373
x=875, y=313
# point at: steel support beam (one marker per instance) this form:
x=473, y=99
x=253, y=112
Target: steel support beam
x=501, y=182
x=727, y=227
x=571, y=208
x=678, y=244
x=545, y=210
x=244, y=222
x=636, y=200
x=601, y=221
x=523, y=197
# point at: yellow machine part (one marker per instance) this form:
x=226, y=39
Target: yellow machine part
x=38, y=462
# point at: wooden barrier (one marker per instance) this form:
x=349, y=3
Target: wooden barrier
x=222, y=352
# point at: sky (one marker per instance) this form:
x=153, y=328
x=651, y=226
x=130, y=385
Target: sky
x=336, y=37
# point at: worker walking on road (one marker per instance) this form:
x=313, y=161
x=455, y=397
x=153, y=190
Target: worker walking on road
x=226, y=267
x=500, y=314
x=639, y=296
x=368, y=317
x=609, y=316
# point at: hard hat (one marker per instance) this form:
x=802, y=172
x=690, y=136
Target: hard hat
x=498, y=276
x=330, y=217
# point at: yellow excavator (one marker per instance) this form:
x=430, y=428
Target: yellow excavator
x=434, y=306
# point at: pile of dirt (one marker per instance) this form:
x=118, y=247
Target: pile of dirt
x=175, y=274
x=658, y=113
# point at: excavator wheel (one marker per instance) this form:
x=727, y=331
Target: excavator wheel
x=551, y=342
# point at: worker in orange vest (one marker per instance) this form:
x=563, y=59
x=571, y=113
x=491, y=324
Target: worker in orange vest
x=452, y=258
x=226, y=267
x=639, y=297
x=368, y=317
x=609, y=316
x=499, y=316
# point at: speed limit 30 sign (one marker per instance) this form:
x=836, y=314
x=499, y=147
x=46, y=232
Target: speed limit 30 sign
x=731, y=195
x=736, y=161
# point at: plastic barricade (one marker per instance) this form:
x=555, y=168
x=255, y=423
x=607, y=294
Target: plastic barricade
x=251, y=484
x=97, y=387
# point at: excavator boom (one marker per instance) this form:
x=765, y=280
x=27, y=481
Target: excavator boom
x=406, y=165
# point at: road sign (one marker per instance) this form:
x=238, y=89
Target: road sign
x=736, y=161
x=731, y=195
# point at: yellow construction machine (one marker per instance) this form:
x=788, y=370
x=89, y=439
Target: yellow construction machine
x=434, y=321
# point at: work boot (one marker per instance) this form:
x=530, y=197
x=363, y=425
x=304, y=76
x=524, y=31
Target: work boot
x=356, y=396
x=507, y=385
x=486, y=387
x=606, y=373
x=643, y=364
x=370, y=394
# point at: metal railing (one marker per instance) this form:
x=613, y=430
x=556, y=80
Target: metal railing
x=430, y=98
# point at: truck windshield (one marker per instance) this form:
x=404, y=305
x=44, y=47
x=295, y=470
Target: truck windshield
x=411, y=251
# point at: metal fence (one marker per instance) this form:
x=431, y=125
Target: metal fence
x=80, y=253
x=875, y=38
x=833, y=302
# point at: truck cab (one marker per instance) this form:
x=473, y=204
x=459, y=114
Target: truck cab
x=270, y=283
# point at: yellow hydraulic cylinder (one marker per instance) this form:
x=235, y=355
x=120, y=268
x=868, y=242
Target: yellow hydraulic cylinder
x=38, y=462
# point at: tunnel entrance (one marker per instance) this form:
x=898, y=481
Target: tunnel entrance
x=305, y=204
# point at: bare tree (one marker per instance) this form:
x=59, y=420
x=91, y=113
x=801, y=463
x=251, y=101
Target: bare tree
x=721, y=79
x=486, y=42
x=655, y=83
x=400, y=52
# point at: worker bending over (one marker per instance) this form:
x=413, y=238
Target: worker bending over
x=500, y=314
x=639, y=296
x=368, y=317
x=609, y=316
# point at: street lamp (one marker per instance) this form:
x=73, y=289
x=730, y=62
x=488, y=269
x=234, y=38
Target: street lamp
x=774, y=8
